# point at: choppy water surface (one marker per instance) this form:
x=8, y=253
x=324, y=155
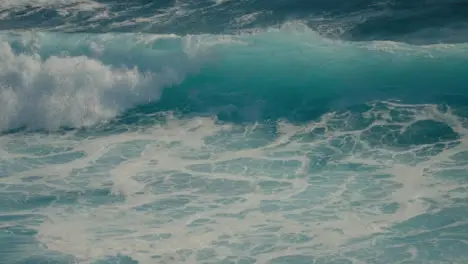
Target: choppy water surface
x=233, y=132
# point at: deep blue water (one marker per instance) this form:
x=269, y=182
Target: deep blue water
x=233, y=131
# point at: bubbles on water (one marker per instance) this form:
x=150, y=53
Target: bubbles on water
x=352, y=187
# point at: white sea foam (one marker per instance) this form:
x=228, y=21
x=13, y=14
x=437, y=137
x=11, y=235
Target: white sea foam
x=187, y=191
x=66, y=87
x=74, y=4
x=69, y=90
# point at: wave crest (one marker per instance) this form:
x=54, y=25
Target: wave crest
x=70, y=91
x=49, y=80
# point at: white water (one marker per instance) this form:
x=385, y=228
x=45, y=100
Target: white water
x=193, y=191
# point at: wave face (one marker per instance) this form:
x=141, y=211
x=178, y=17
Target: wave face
x=233, y=132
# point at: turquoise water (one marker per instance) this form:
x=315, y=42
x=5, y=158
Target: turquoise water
x=276, y=143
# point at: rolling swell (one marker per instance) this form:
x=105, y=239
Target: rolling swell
x=291, y=73
x=299, y=75
x=421, y=22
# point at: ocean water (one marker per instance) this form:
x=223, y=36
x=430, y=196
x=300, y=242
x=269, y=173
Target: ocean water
x=233, y=131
